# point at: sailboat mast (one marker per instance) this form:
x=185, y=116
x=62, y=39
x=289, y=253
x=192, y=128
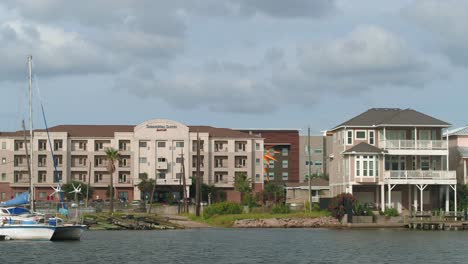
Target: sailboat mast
x=32, y=194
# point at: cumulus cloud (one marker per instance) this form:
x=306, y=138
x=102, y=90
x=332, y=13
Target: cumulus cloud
x=447, y=21
x=369, y=57
x=55, y=50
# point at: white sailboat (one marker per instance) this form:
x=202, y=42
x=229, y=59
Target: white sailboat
x=19, y=222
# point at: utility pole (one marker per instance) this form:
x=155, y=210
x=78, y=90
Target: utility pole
x=89, y=182
x=184, y=184
x=197, y=182
x=310, y=172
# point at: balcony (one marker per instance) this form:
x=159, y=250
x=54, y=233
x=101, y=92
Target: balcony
x=415, y=147
x=161, y=165
x=420, y=177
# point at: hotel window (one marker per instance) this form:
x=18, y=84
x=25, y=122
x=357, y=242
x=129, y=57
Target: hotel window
x=360, y=134
x=178, y=175
x=143, y=176
x=365, y=166
x=142, y=144
x=41, y=176
x=42, y=144
x=307, y=163
x=272, y=164
x=58, y=176
x=161, y=144
x=178, y=160
x=179, y=144
x=58, y=160
x=3, y=197
x=285, y=164
x=318, y=163
x=161, y=175
x=349, y=138
x=97, y=177
x=42, y=195
x=285, y=176
x=3, y=176
x=257, y=146
x=58, y=144
x=3, y=145
x=271, y=175
x=371, y=137
x=257, y=161
x=161, y=159
x=257, y=177
x=318, y=151
x=143, y=160
x=284, y=151
x=272, y=151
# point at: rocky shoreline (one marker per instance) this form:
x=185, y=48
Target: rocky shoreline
x=294, y=222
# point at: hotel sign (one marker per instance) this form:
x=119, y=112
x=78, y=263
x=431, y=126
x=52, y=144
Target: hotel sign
x=161, y=127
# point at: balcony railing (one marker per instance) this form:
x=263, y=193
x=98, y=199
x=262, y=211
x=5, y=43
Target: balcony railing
x=404, y=144
x=420, y=175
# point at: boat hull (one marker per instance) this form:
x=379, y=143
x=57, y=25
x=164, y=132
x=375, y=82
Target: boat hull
x=72, y=232
x=27, y=232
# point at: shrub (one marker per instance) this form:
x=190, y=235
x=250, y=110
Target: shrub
x=222, y=209
x=338, y=203
x=249, y=200
x=391, y=212
x=280, y=209
x=315, y=207
x=360, y=210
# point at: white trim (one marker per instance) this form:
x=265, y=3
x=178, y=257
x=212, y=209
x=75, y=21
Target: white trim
x=388, y=125
x=365, y=134
x=373, y=137
x=347, y=137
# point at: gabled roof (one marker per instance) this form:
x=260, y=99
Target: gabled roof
x=364, y=148
x=461, y=131
x=392, y=116
x=221, y=132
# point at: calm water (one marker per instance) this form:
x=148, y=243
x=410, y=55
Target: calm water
x=246, y=246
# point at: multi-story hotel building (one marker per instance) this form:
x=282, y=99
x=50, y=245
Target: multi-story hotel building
x=283, y=145
x=152, y=149
x=392, y=158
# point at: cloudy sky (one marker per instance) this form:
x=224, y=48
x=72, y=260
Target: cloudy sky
x=232, y=63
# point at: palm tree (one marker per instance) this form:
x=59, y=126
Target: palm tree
x=112, y=155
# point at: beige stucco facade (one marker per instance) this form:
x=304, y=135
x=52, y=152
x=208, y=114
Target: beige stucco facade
x=152, y=149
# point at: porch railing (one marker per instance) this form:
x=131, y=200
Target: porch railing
x=420, y=175
x=414, y=144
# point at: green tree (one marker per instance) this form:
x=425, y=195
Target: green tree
x=112, y=156
x=68, y=190
x=146, y=186
x=273, y=192
x=242, y=184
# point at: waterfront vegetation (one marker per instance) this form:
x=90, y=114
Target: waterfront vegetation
x=228, y=220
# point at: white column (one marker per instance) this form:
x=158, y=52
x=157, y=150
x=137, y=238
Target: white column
x=464, y=171
x=415, y=138
x=447, y=197
x=389, y=196
x=409, y=198
x=350, y=188
x=382, y=197
x=422, y=201
x=415, y=198
x=455, y=197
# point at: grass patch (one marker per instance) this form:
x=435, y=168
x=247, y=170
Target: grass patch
x=228, y=220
